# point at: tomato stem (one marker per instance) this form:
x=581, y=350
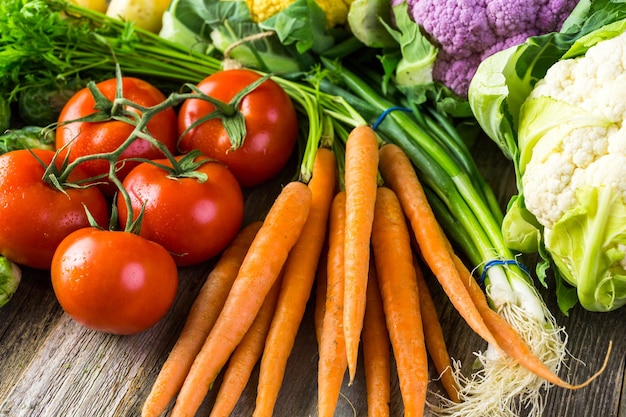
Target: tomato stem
x=232, y=119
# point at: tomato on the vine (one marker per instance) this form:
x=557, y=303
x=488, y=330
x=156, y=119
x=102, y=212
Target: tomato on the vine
x=113, y=281
x=193, y=218
x=270, y=120
x=35, y=216
x=81, y=138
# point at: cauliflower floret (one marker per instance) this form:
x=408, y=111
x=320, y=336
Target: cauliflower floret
x=453, y=71
x=557, y=170
x=608, y=171
x=617, y=141
x=559, y=83
x=551, y=187
x=565, y=158
x=549, y=194
x=584, y=146
x=595, y=82
x=609, y=101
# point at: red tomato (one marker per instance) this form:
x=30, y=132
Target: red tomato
x=194, y=220
x=271, y=126
x=35, y=216
x=87, y=138
x=112, y=281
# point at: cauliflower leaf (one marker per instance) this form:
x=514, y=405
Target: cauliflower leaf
x=588, y=245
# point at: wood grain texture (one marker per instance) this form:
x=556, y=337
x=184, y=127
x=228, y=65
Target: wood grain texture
x=51, y=366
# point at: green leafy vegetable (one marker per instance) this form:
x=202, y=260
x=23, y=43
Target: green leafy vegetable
x=43, y=43
x=10, y=277
x=303, y=24
x=5, y=114
x=587, y=246
x=41, y=106
x=367, y=20
x=284, y=43
x=417, y=55
x=27, y=137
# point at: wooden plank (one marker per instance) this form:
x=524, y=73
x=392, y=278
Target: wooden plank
x=589, y=336
x=24, y=325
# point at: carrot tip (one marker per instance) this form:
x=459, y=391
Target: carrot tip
x=598, y=372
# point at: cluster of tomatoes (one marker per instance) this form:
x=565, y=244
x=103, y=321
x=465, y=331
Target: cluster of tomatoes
x=114, y=227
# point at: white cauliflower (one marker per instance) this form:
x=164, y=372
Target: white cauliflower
x=572, y=140
x=556, y=105
x=570, y=157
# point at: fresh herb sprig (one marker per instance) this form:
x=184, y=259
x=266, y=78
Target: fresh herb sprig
x=44, y=41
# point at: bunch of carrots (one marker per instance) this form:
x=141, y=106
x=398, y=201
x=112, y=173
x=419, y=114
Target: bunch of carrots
x=359, y=237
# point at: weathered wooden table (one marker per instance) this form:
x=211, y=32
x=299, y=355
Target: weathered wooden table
x=51, y=366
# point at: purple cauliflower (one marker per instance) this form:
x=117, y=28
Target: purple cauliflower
x=468, y=31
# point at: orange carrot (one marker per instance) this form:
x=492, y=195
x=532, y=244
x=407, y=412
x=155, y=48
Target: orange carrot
x=399, y=175
x=433, y=335
x=321, y=284
x=245, y=357
x=361, y=170
x=299, y=275
x=511, y=342
x=461, y=288
x=259, y=270
x=376, y=351
x=201, y=318
x=393, y=256
x=332, y=363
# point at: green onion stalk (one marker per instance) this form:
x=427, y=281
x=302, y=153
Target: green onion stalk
x=43, y=41
x=466, y=206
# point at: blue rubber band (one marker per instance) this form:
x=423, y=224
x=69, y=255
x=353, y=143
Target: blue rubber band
x=386, y=112
x=500, y=262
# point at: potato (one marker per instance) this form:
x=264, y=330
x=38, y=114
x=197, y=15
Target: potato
x=146, y=14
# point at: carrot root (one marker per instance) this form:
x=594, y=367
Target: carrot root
x=361, y=174
x=245, y=357
x=376, y=351
x=202, y=315
x=399, y=174
x=260, y=269
x=433, y=334
x=299, y=276
x=321, y=285
x=393, y=257
x=332, y=362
